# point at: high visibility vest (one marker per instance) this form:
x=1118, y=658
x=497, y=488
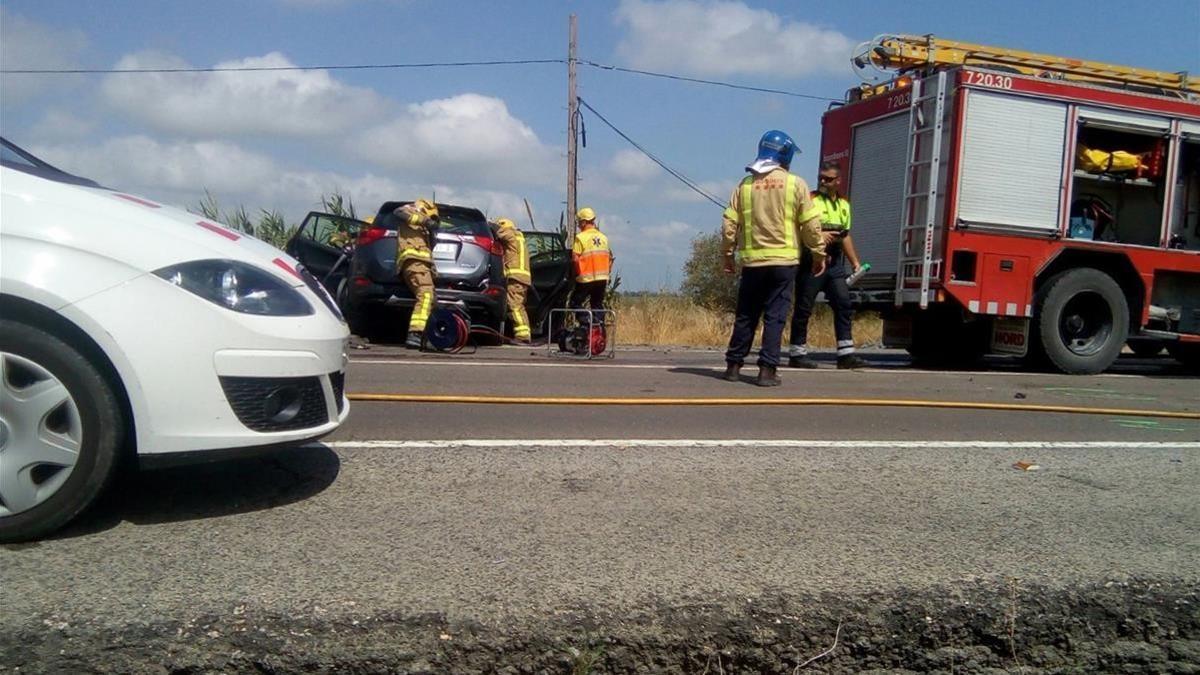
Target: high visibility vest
x=835, y=212
x=748, y=248
x=516, y=256
x=593, y=260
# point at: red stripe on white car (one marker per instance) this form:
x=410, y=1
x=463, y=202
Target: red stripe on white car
x=291, y=270
x=212, y=227
x=138, y=200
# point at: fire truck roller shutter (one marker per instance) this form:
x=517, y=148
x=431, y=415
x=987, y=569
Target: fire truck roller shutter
x=1012, y=162
x=877, y=189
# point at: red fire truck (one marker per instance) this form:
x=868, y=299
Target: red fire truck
x=1019, y=203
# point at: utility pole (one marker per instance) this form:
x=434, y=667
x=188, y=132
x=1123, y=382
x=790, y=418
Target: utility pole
x=572, y=133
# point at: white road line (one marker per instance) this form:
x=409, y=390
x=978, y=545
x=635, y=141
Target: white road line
x=750, y=443
x=654, y=366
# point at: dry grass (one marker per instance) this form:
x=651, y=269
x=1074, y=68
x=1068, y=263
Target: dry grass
x=675, y=320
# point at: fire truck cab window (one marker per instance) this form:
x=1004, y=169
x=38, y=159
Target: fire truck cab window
x=1118, y=183
x=1185, y=209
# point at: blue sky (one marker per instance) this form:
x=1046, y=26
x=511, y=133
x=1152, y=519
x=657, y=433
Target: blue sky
x=486, y=136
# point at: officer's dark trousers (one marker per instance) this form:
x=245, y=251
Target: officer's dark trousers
x=592, y=292
x=837, y=293
x=764, y=292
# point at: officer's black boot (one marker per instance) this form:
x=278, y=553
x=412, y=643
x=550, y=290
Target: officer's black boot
x=413, y=341
x=733, y=372
x=767, y=377
x=851, y=361
x=801, y=362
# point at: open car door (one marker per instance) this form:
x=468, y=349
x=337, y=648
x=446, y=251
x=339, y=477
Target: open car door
x=322, y=244
x=550, y=267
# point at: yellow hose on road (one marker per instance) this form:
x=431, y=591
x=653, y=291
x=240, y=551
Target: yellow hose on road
x=877, y=402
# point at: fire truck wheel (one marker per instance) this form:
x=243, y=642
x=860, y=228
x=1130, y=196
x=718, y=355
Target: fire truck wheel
x=1187, y=353
x=1082, y=321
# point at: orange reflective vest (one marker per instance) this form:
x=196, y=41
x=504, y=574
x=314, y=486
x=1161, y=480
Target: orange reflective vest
x=593, y=260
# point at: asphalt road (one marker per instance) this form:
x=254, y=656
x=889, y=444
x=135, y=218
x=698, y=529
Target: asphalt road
x=582, y=530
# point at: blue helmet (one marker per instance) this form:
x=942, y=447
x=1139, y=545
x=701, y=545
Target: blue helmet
x=777, y=146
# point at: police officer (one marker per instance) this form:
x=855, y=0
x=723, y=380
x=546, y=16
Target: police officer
x=415, y=224
x=770, y=216
x=835, y=231
x=593, y=262
x=516, y=272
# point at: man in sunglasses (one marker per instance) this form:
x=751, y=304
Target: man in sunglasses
x=839, y=248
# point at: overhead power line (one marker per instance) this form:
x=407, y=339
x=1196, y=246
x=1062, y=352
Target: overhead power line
x=396, y=66
x=253, y=69
x=682, y=178
x=730, y=85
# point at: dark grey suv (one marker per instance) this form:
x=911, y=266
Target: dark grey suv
x=468, y=258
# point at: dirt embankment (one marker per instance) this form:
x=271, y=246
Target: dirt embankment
x=1127, y=627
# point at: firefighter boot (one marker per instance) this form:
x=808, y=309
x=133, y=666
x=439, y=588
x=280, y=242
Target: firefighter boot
x=733, y=372
x=767, y=377
x=850, y=361
x=413, y=341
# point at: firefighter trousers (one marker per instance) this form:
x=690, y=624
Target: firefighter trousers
x=837, y=294
x=516, y=308
x=418, y=276
x=763, y=293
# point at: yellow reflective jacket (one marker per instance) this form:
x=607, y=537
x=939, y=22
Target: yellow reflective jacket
x=593, y=259
x=412, y=236
x=516, y=256
x=768, y=215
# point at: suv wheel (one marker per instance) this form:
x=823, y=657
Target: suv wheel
x=61, y=428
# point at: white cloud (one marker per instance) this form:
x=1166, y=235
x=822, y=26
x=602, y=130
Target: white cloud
x=28, y=45
x=717, y=38
x=59, y=124
x=467, y=138
x=135, y=162
x=180, y=172
x=282, y=103
x=632, y=165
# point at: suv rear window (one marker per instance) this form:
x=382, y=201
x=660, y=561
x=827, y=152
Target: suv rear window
x=454, y=219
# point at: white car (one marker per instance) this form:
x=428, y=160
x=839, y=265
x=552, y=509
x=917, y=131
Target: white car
x=129, y=329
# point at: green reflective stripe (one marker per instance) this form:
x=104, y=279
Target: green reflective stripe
x=789, y=210
x=747, y=211
x=769, y=253
x=415, y=253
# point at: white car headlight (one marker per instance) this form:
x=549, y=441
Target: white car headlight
x=237, y=286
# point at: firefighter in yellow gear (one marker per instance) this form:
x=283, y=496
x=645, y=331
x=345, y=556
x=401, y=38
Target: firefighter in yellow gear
x=516, y=272
x=415, y=224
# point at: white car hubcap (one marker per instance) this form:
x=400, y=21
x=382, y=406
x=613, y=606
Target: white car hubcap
x=40, y=434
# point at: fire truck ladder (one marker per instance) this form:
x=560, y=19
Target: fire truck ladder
x=909, y=52
x=919, y=210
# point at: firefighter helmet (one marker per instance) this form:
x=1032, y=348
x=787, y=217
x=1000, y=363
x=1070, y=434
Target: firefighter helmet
x=505, y=222
x=776, y=146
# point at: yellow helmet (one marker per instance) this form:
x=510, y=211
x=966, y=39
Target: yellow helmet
x=586, y=213
x=427, y=207
x=370, y=220
x=505, y=222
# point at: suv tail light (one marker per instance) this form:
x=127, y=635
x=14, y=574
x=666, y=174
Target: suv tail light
x=487, y=243
x=371, y=234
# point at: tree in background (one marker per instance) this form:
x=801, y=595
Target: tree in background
x=703, y=281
